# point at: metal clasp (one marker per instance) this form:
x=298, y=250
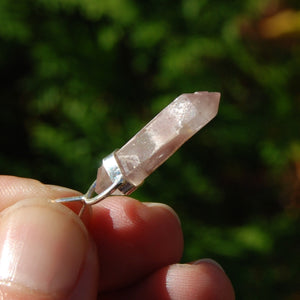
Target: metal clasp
x=118, y=186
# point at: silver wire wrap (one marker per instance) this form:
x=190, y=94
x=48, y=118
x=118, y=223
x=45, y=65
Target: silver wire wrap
x=118, y=186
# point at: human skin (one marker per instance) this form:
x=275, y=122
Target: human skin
x=123, y=249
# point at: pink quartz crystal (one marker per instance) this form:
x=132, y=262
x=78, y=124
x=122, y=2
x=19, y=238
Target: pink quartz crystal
x=161, y=137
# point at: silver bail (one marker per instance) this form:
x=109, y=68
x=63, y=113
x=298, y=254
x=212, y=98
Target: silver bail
x=114, y=172
x=117, y=185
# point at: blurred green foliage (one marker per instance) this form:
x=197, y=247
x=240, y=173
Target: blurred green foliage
x=79, y=77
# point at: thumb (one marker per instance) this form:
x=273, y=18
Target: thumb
x=45, y=253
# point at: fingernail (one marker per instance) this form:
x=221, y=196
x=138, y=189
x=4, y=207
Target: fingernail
x=164, y=206
x=42, y=247
x=208, y=260
x=61, y=189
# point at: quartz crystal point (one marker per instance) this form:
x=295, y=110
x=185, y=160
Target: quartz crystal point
x=161, y=137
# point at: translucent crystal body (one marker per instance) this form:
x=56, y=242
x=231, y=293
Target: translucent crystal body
x=162, y=136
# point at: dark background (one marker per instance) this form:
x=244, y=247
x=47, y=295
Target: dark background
x=80, y=77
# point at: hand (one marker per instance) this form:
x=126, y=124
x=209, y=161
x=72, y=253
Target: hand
x=125, y=250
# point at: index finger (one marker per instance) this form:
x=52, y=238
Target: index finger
x=133, y=239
